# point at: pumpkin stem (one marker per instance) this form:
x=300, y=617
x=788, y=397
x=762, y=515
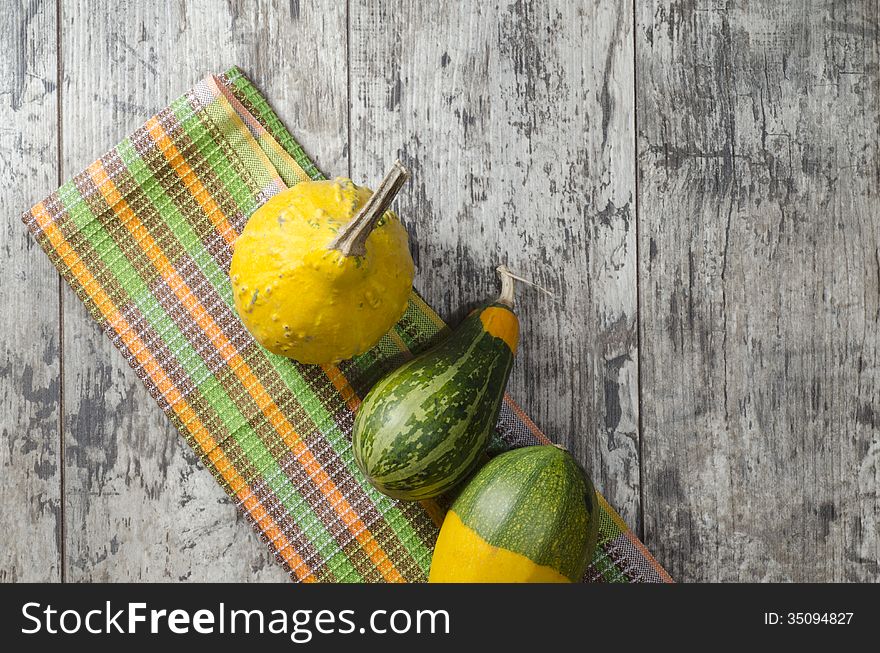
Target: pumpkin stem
x=352, y=238
x=507, y=284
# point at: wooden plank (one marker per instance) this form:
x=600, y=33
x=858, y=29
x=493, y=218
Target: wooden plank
x=517, y=123
x=140, y=507
x=759, y=272
x=30, y=510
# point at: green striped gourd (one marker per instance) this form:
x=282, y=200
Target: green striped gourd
x=424, y=426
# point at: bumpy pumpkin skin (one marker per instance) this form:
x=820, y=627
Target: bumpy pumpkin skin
x=302, y=300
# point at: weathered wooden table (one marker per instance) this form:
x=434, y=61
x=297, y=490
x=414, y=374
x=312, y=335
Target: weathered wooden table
x=697, y=181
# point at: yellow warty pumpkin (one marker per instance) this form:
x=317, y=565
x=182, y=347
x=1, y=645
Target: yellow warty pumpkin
x=322, y=271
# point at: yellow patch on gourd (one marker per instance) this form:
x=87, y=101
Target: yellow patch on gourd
x=462, y=556
x=302, y=300
x=501, y=323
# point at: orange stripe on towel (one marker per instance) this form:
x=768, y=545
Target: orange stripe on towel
x=170, y=392
x=314, y=471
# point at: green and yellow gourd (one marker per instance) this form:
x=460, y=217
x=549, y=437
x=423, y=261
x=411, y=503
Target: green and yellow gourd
x=530, y=515
x=425, y=426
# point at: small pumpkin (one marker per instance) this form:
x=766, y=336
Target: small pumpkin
x=529, y=515
x=322, y=270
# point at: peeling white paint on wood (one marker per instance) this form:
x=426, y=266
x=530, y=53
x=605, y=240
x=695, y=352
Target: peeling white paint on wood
x=759, y=219
x=30, y=461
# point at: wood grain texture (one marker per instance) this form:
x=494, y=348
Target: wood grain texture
x=516, y=120
x=139, y=506
x=697, y=181
x=759, y=223
x=30, y=490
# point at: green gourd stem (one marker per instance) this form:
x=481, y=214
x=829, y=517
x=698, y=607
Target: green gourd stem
x=507, y=284
x=352, y=238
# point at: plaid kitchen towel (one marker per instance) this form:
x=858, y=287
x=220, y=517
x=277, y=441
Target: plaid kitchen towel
x=144, y=236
